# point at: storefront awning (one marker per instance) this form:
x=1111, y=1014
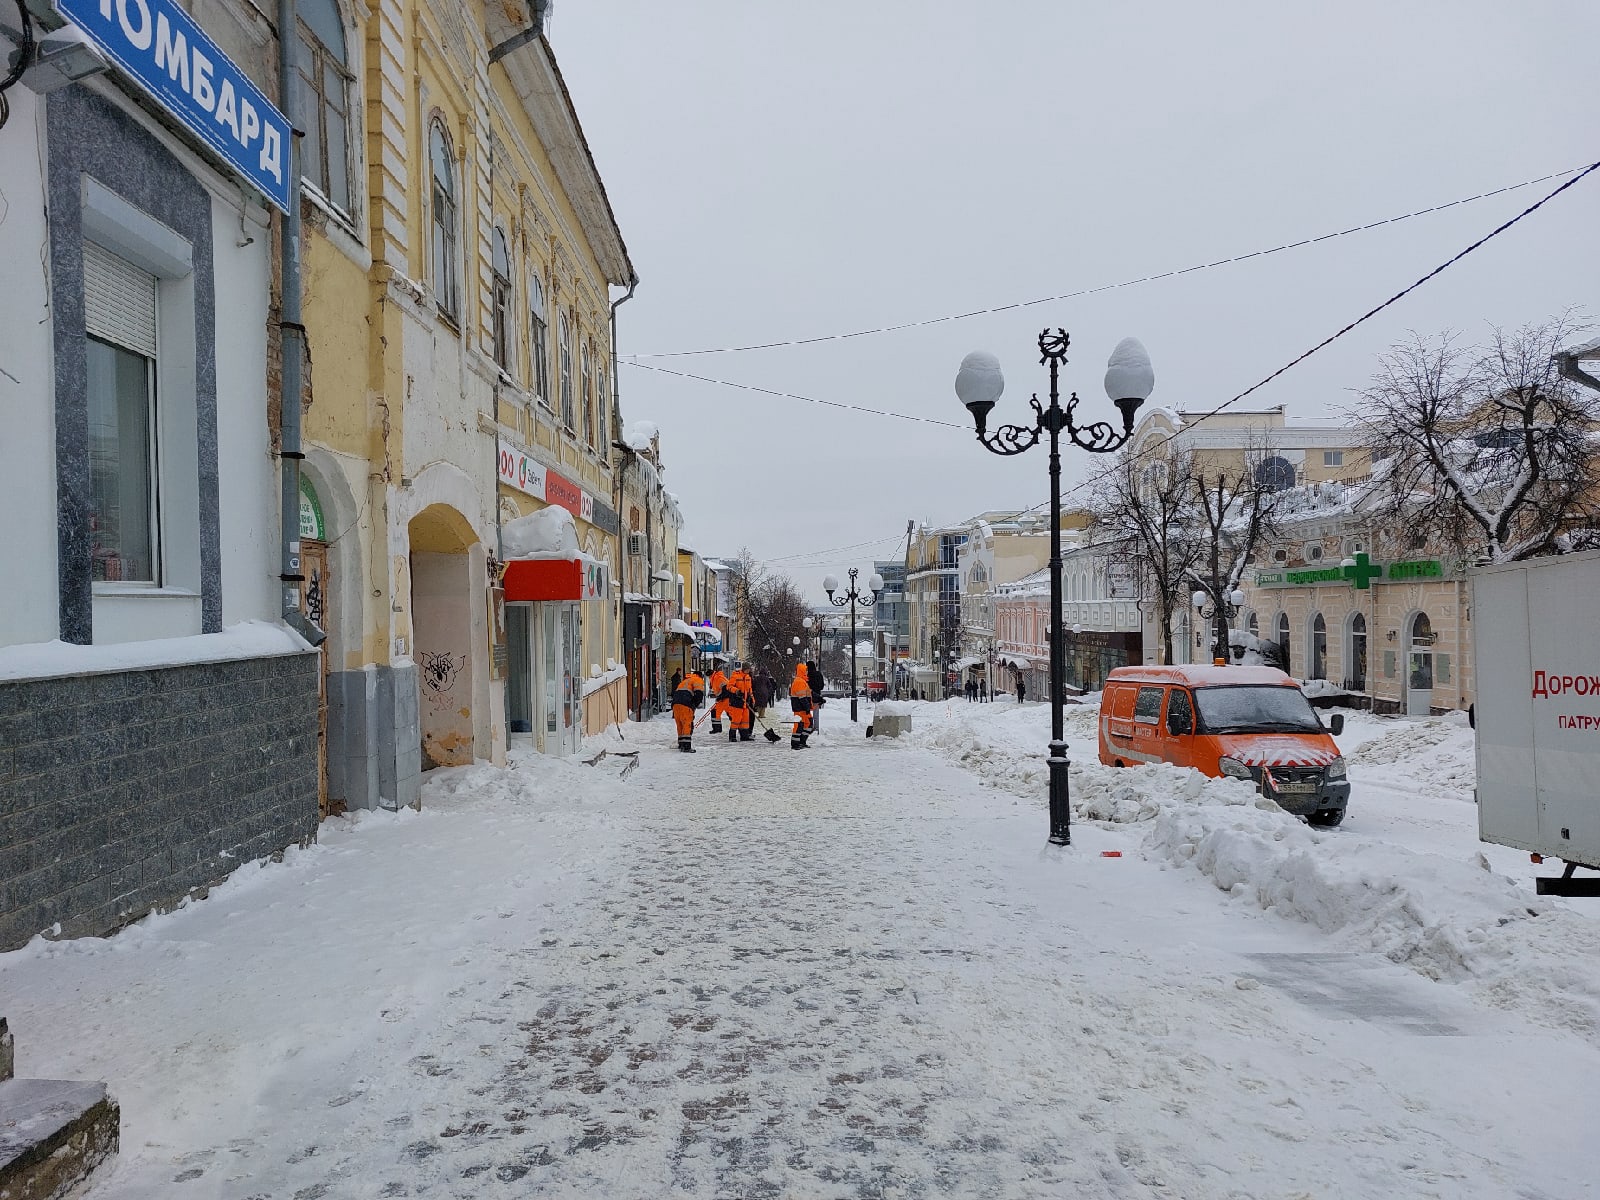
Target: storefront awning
x=575, y=577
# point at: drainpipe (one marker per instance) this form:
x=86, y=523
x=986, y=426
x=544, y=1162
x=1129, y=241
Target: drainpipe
x=292, y=335
x=616, y=410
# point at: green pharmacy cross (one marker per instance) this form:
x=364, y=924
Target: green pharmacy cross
x=1362, y=572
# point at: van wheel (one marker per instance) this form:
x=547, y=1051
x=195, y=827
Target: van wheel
x=1327, y=819
x=1119, y=763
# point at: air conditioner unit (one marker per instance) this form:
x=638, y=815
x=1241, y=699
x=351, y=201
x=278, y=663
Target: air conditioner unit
x=636, y=544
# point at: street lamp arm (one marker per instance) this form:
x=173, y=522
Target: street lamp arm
x=1012, y=439
x=1102, y=437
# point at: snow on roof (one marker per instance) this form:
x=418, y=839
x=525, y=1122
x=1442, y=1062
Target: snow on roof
x=549, y=531
x=637, y=435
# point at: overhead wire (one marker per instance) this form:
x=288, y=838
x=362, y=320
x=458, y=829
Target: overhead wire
x=1581, y=173
x=1331, y=338
x=1106, y=287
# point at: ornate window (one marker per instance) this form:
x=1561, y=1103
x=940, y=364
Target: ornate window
x=564, y=338
x=1275, y=474
x=500, y=301
x=322, y=82
x=586, y=394
x=538, y=340
x=1283, y=639
x=1319, y=648
x=446, y=279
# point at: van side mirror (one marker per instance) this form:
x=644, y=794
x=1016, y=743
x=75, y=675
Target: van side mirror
x=1336, y=724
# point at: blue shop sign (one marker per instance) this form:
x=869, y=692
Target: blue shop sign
x=160, y=45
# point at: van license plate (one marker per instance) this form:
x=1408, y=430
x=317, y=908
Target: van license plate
x=1297, y=789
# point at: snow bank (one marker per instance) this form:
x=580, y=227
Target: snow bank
x=1449, y=918
x=248, y=639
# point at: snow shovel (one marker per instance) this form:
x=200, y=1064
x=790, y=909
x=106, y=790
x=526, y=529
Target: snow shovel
x=766, y=730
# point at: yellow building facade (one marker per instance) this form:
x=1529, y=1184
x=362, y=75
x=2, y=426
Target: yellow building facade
x=459, y=260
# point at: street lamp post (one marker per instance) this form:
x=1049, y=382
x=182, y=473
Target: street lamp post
x=1214, y=605
x=853, y=597
x=1129, y=381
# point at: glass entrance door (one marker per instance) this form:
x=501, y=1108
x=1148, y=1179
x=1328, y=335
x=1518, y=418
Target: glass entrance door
x=557, y=679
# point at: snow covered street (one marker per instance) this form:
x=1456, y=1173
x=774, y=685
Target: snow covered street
x=852, y=971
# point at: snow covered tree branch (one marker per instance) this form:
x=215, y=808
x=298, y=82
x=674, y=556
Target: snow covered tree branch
x=1144, y=510
x=1490, y=452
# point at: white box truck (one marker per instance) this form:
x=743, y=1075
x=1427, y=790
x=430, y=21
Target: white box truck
x=1536, y=663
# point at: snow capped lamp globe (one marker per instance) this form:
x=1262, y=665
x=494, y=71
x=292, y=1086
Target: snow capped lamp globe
x=1199, y=598
x=1129, y=380
x=875, y=583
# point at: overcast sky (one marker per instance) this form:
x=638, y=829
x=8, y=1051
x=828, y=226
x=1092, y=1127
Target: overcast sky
x=784, y=171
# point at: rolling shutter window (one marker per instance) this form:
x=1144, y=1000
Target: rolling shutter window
x=119, y=301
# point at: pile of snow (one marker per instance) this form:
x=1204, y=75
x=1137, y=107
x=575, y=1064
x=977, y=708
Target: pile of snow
x=549, y=532
x=638, y=435
x=1434, y=755
x=1449, y=917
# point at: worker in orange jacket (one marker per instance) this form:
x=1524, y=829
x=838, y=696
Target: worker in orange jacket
x=689, y=695
x=740, y=706
x=719, y=700
x=800, y=702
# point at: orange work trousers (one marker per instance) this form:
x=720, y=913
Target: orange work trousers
x=683, y=718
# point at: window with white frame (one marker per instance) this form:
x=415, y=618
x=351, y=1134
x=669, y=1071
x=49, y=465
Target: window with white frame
x=323, y=79
x=564, y=338
x=538, y=340
x=446, y=279
x=500, y=301
x=1333, y=458
x=124, y=515
x=603, y=400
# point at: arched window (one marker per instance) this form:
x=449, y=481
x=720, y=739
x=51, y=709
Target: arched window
x=1421, y=630
x=1356, y=655
x=1255, y=624
x=446, y=280
x=586, y=391
x=602, y=400
x=500, y=301
x=1319, y=648
x=1276, y=474
x=564, y=349
x=1283, y=638
x=538, y=340
x=322, y=80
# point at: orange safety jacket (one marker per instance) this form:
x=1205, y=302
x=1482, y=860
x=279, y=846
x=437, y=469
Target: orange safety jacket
x=691, y=691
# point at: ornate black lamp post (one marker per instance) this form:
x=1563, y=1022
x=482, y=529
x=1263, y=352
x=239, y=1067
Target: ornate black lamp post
x=853, y=597
x=1129, y=382
x=1214, y=605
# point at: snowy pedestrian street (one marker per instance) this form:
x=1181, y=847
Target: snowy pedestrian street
x=851, y=971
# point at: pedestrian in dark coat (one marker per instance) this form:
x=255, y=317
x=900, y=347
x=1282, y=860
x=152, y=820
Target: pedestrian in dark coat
x=765, y=688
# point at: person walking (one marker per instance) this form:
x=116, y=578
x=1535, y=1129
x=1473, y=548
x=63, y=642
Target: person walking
x=719, y=701
x=688, y=694
x=800, y=703
x=741, y=704
x=765, y=689
x=817, y=683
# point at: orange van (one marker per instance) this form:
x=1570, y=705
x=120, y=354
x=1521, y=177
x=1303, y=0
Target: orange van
x=1244, y=722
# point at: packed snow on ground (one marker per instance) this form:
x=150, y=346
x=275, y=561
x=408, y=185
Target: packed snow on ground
x=1442, y=904
x=851, y=971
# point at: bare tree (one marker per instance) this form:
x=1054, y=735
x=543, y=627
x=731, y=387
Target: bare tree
x=1236, y=516
x=1489, y=451
x=1144, y=513
x=777, y=613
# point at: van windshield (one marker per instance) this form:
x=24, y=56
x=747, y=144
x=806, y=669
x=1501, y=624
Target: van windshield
x=1264, y=709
